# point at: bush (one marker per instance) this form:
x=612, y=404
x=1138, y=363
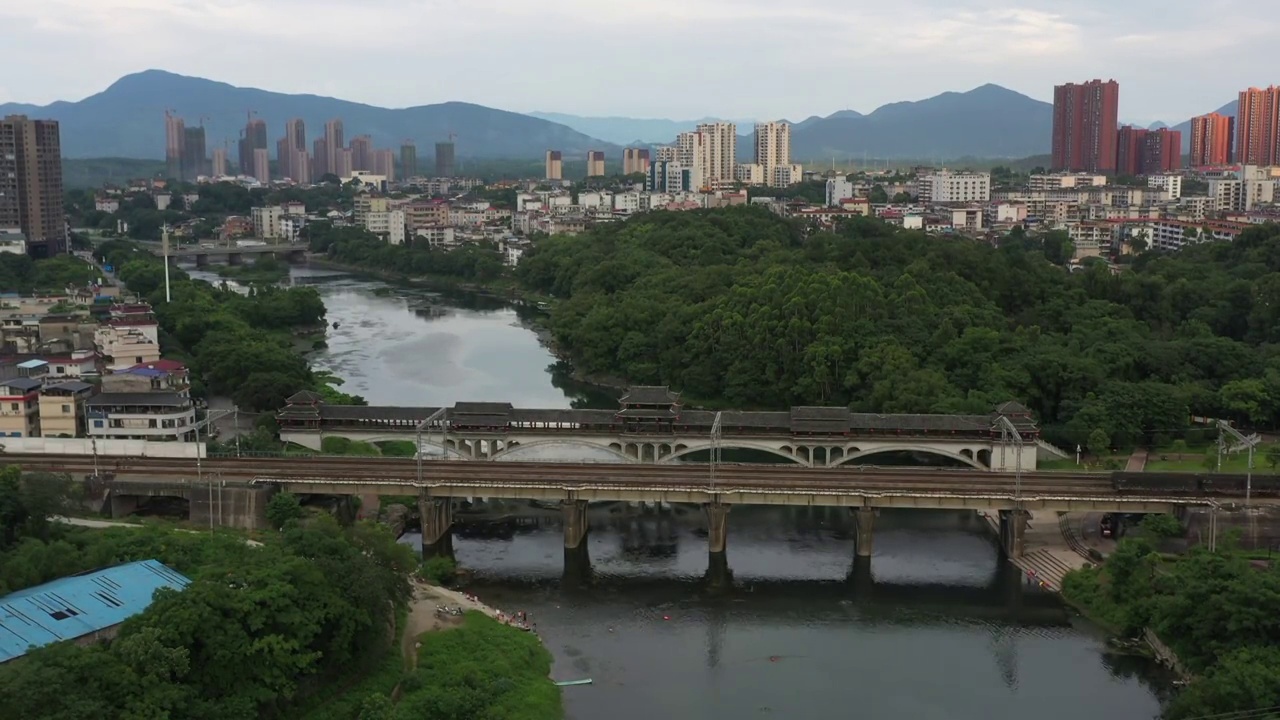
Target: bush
x=439, y=570
x=1162, y=526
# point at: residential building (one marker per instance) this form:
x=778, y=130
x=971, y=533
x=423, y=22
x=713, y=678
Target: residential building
x=1085, y=119
x=102, y=601
x=12, y=241
x=1258, y=127
x=20, y=405
x=194, y=160
x=362, y=153
x=266, y=222
x=749, y=174
x=773, y=149
x=1212, y=140
x=635, y=161
x=253, y=139
x=174, y=134
x=1066, y=181
x=158, y=376
x=967, y=219
x=785, y=175
x=668, y=153
x=554, y=165
x=946, y=186
x=1245, y=190
x=595, y=163
x=838, y=188
x=409, y=159
x=219, y=163
x=140, y=416
x=720, y=148
x=668, y=176
x=128, y=337
x=31, y=184
x=384, y=164
x=425, y=214
x=390, y=224
x=1131, y=144
x=366, y=204
x=1171, y=184
x=692, y=154
x=261, y=165
x=1162, y=151
x=445, y=160
x=434, y=236
x=291, y=149
x=62, y=408
x=106, y=204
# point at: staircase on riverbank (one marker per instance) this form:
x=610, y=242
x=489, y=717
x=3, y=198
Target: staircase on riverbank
x=1052, y=549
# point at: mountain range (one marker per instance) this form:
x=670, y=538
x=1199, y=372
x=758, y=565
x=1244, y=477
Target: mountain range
x=126, y=120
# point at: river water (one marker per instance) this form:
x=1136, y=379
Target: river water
x=934, y=627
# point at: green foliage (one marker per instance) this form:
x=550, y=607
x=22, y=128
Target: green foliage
x=481, y=670
x=21, y=274
x=255, y=632
x=439, y=570
x=237, y=346
x=737, y=307
x=398, y=448
x=263, y=271
x=28, y=501
x=284, y=508
x=1099, y=441
x=1161, y=526
x=1220, y=615
x=344, y=446
x=357, y=246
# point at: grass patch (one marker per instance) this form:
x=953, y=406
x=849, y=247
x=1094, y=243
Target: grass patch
x=482, y=669
x=342, y=701
x=397, y=448
x=1086, y=590
x=343, y=446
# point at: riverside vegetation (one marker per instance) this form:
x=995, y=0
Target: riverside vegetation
x=301, y=626
x=1218, y=612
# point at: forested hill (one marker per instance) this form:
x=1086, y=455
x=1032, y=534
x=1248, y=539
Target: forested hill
x=738, y=307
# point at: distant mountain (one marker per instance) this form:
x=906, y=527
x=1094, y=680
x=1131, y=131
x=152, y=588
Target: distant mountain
x=127, y=120
x=625, y=130
x=988, y=122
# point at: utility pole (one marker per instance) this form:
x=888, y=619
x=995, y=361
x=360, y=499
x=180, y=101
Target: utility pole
x=200, y=450
x=1242, y=442
x=715, y=449
x=164, y=242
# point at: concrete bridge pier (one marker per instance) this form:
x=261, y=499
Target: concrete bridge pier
x=577, y=566
x=575, y=522
x=861, y=582
x=437, y=526
x=122, y=506
x=370, y=506
x=717, y=527
x=864, y=519
x=1013, y=529
x=719, y=576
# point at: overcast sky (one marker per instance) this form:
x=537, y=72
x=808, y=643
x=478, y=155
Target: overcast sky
x=655, y=58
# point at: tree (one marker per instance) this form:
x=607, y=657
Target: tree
x=878, y=195
x=1099, y=442
x=283, y=508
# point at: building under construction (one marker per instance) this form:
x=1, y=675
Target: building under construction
x=444, y=159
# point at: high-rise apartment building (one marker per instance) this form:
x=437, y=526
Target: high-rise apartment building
x=773, y=148
x=1212, y=140
x=1085, y=117
x=254, y=139
x=555, y=165
x=444, y=159
x=194, y=160
x=342, y=165
x=362, y=153
x=668, y=153
x=1258, y=127
x=595, y=163
x=720, y=146
x=409, y=159
x=384, y=164
x=31, y=184
x=327, y=150
x=173, y=137
x=261, y=165
x=289, y=148
x=692, y=155
x=219, y=163
x=319, y=157
x=1131, y=143
x=1162, y=152
x=635, y=160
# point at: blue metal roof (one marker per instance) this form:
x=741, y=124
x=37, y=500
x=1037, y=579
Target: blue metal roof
x=70, y=607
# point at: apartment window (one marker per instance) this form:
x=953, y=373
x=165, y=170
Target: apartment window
x=97, y=423
x=60, y=369
x=66, y=409
x=137, y=360
x=14, y=407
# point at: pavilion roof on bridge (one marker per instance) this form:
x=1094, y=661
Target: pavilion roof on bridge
x=650, y=395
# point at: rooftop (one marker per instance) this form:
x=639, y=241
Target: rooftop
x=167, y=366
x=72, y=607
x=148, y=399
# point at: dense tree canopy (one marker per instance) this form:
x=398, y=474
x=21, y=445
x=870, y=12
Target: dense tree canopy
x=739, y=307
x=239, y=346
x=360, y=247
x=21, y=274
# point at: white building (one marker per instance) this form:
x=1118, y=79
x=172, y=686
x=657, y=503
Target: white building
x=13, y=241
x=1066, y=181
x=1171, y=184
x=434, y=236
x=749, y=173
x=626, y=202
x=945, y=186
x=140, y=415
x=266, y=222
x=838, y=188
x=786, y=175
x=773, y=148
x=1250, y=187
x=389, y=224
x=106, y=204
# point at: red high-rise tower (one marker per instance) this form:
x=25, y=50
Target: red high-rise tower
x=1084, y=126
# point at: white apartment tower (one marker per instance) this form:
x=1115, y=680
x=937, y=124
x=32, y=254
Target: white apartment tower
x=773, y=148
x=721, y=142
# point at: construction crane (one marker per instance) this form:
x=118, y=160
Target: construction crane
x=453, y=136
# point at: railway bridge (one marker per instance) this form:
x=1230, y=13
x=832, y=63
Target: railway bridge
x=652, y=426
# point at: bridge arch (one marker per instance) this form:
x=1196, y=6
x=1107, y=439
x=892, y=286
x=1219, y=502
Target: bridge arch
x=852, y=457
x=682, y=450
x=452, y=450
x=515, y=449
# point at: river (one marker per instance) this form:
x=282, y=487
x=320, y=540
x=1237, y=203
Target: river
x=937, y=627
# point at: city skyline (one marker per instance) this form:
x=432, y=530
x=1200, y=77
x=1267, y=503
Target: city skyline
x=1023, y=47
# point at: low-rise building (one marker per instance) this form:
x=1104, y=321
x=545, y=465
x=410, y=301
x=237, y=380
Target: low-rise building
x=20, y=406
x=62, y=412
x=140, y=416
x=266, y=222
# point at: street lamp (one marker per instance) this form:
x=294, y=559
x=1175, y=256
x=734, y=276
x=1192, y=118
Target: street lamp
x=426, y=424
x=715, y=449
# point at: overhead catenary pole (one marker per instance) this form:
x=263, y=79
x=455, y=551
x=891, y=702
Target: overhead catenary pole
x=715, y=449
x=426, y=425
x=1242, y=441
x=164, y=242
x=1007, y=430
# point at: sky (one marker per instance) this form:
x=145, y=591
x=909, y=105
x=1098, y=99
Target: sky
x=677, y=59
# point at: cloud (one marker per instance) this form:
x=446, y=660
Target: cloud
x=675, y=58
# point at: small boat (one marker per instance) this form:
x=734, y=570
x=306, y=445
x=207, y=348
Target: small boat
x=568, y=683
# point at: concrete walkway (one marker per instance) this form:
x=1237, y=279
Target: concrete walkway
x=1048, y=553
x=1137, y=461
x=104, y=524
